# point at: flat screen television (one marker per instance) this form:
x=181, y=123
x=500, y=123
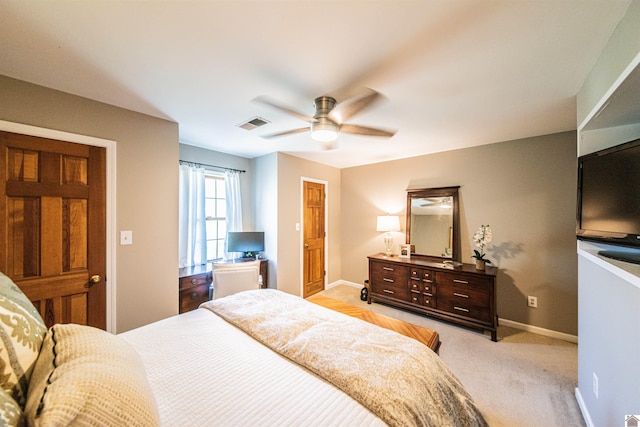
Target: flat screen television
x=609, y=199
x=250, y=243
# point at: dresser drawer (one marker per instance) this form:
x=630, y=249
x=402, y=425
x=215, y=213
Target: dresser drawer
x=422, y=300
x=195, y=280
x=422, y=280
x=470, y=302
x=389, y=280
x=465, y=281
x=191, y=298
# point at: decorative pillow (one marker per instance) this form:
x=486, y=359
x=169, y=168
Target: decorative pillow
x=22, y=331
x=86, y=376
x=10, y=412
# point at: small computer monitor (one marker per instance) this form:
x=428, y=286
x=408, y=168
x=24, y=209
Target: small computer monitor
x=249, y=243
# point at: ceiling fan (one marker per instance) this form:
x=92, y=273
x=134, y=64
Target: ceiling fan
x=330, y=117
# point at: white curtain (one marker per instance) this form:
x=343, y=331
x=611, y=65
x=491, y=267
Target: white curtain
x=234, y=202
x=192, y=237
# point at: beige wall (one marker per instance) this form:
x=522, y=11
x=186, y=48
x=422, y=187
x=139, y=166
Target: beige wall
x=147, y=190
x=291, y=170
x=526, y=191
x=265, y=197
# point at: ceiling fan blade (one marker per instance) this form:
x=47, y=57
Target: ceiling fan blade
x=286, y=132
x=350, y=107
x=364, y=130
x=267, y=101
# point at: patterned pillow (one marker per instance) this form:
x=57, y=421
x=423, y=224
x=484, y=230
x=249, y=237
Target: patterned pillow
x=87, y=376
x=22, y=331
x=10, y=412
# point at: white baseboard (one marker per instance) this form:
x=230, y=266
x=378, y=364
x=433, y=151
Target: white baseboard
x=505, y=322
x=344, y=282
x=538, y=330
x=583, y=409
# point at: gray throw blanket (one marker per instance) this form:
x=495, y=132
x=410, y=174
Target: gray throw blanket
x=397, y=378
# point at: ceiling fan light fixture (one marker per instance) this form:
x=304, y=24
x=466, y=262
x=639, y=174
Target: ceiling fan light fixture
x=324, y=132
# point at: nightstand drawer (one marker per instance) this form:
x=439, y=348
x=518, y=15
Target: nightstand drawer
x=191, y=298
x=195, y=280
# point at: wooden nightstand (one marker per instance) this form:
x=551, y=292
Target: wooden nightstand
x=194, y=286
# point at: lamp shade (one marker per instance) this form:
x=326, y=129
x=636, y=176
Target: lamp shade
x=388, y=223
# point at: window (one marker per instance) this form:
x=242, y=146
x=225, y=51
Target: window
x=215, y=208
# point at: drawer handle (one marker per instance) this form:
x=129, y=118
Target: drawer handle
x=387, y=268
x=464, y=282
x=387, y=291
x=194, y=295
x=460, y=295
x=414, y=286
x=426, y=302
x=194, y=281
x=461, y=309
x=387, y=280
x=415, y=299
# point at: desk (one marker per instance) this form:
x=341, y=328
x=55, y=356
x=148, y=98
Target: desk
x=194, y=283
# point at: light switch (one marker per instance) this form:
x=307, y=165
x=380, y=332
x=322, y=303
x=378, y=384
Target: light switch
x=297, y=226
x=126, y=237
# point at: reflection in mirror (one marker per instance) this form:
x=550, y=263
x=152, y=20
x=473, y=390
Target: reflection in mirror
x=432, y=222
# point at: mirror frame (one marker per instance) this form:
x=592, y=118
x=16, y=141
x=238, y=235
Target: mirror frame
x=452, y=192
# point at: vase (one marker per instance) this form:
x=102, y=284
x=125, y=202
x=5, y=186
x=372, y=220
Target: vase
x=480, y=264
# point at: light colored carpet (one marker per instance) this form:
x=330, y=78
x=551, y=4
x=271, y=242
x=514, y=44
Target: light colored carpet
x=522, y=380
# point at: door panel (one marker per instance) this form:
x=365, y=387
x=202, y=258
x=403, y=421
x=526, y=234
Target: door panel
x=53, y=202
x=314, y=238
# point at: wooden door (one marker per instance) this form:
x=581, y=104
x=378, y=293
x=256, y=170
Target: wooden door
x=53, y=228
x=314, y=236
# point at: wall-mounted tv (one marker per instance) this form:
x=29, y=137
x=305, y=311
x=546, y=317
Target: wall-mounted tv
x=250, y=243
x=609, y=199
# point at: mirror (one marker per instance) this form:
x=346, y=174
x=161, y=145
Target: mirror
x=433, y=223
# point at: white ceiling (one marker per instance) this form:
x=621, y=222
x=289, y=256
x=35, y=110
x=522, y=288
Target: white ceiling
x=455, y=73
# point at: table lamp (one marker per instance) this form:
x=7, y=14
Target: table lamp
x=388, y=223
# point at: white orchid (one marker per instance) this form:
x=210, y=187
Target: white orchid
x=482, y=238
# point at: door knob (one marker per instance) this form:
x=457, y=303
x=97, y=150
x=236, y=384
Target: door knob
x=306, y=245
x=95, y=279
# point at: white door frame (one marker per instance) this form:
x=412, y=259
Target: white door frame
x=110, y=147
x=304, y=179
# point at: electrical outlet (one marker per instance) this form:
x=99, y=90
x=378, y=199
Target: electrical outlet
x=532, y=301
x=595, y=384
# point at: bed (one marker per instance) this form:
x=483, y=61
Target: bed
x=258, y=358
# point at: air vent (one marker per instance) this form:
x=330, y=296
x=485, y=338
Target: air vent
x=255, y=122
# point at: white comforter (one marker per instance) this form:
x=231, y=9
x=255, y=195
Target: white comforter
x=206, y=372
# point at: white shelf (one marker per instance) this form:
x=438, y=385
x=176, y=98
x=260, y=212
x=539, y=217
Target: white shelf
x=625, y=270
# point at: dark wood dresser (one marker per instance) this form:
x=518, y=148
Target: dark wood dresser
x=195, y=283
x=462, y=295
